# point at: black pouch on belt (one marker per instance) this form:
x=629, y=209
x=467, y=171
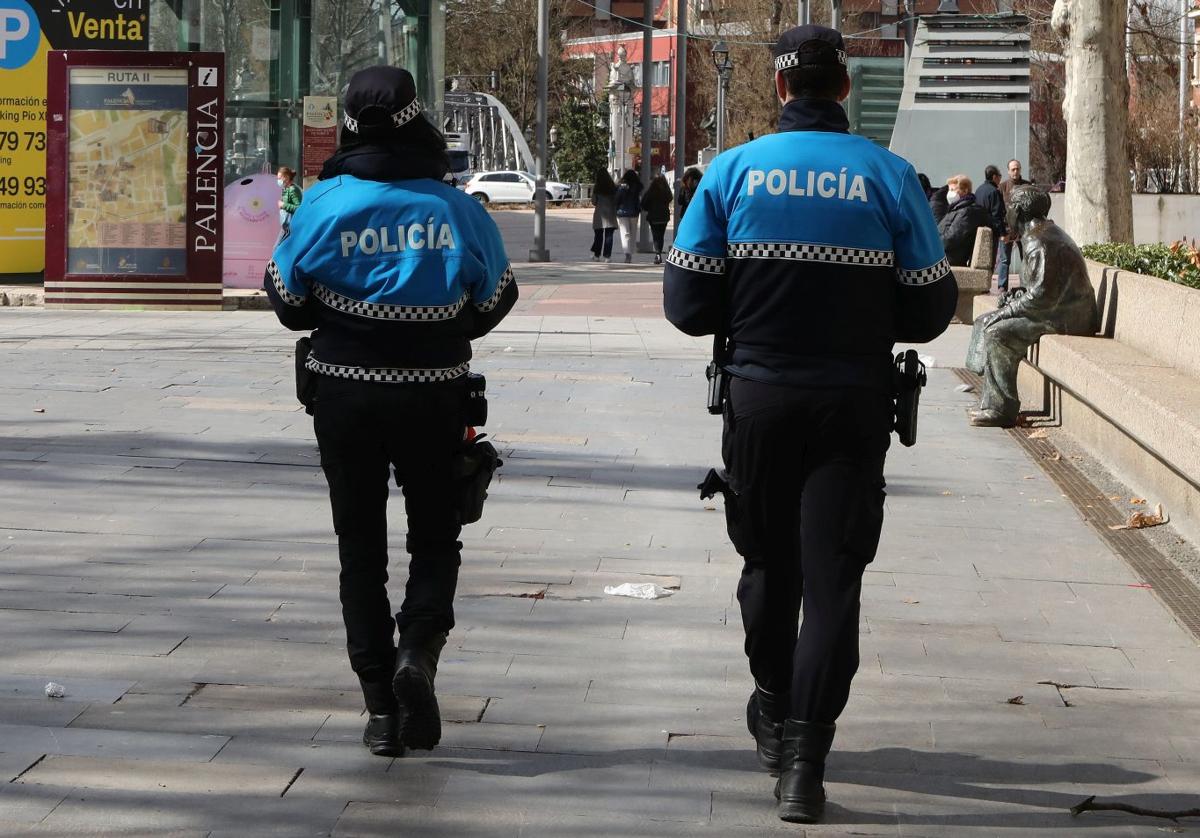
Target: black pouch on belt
x=473, y=470
x=306, y=379
x=476, y=408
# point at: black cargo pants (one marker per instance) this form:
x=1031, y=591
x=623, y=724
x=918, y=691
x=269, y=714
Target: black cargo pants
x=366, y=432
x=807, y=469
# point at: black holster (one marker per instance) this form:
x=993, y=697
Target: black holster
x=909, y=378
x=718, y=378
x=306, y=379
x=473, y=470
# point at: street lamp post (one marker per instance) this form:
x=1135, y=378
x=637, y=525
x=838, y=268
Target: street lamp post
x=619, y=99
x=539, y=253
x=720, y=57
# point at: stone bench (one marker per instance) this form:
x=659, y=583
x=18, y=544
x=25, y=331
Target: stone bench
x=976, y=278
x=1130, y=395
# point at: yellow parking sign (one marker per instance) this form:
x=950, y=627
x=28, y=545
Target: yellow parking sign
x=26, y=35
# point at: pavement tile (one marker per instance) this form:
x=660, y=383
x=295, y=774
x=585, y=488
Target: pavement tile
x=115, y=743
x=137, y=775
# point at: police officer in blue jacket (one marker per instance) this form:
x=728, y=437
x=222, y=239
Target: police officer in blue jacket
x=396, y=272
x=812, y=252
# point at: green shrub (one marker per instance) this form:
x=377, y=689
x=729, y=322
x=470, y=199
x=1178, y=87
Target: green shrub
x=1179, y=262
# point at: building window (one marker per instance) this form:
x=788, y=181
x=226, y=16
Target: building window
x=661, y=75
x=660, y=127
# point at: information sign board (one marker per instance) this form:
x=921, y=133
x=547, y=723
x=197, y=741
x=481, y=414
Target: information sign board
x=320, y=136
x=134, y=191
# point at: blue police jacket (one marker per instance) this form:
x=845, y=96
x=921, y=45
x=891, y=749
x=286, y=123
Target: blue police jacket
x=814, y=251
x=397, y=277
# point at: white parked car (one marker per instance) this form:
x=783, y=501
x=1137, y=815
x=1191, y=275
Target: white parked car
x=511, y=188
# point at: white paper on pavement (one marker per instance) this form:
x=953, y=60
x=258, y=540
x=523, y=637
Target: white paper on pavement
x=638, y=590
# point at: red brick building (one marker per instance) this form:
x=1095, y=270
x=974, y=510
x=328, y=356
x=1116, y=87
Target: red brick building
x=597, y=29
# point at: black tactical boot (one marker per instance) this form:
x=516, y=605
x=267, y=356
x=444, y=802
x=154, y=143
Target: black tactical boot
x=382, y=735
x=801, y=790
x=416, y=666
x=762, y=710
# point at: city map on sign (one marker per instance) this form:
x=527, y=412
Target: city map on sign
x=127, y=172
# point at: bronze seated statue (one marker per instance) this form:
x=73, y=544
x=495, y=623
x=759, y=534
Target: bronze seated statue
x=1057, y=300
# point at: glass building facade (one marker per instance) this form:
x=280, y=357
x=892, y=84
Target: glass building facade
x=279, y=51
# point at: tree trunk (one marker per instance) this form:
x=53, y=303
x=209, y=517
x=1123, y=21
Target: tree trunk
x=1099, y=205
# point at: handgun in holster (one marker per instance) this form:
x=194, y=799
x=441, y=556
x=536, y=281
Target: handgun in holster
x=718, y=378
x=910, y=377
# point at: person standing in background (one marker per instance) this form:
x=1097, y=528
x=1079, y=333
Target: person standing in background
x=1004, y=248
x=290, y=200
x=989, y=197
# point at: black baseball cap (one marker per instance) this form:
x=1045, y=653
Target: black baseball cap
x=380, y=99
x=810, y=46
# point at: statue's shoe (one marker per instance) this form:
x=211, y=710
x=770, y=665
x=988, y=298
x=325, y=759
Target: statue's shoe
x=992, y=419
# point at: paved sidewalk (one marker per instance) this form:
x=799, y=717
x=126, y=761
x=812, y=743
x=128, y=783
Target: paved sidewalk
x=166, y=554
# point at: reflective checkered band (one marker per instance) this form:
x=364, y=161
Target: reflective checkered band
x=811, y=253
x=401, y=117
x=380, y=311
x=792, y=59
x=491, y=302
x=386, y=375
x=695, y=262
x=925, y=276
x=281, y=289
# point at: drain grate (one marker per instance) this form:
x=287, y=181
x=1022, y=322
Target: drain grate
x=1173, y=588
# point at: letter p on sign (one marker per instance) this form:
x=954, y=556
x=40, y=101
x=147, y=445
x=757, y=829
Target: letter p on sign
x=14, y=26
x=20, y=36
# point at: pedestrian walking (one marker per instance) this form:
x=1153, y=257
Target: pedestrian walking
x=290, y=197
x=686, y=189
x=604, y=216
x=396, y=272
x=965, y=216
x=657, y=205
x=629, y=211
x=808, y=253
x=1004, y=248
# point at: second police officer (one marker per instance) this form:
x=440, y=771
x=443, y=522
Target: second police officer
x=397, y=272
x=810, y=252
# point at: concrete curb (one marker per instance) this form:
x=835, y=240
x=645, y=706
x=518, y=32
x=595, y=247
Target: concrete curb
x=21, y=295
x=235, y=299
